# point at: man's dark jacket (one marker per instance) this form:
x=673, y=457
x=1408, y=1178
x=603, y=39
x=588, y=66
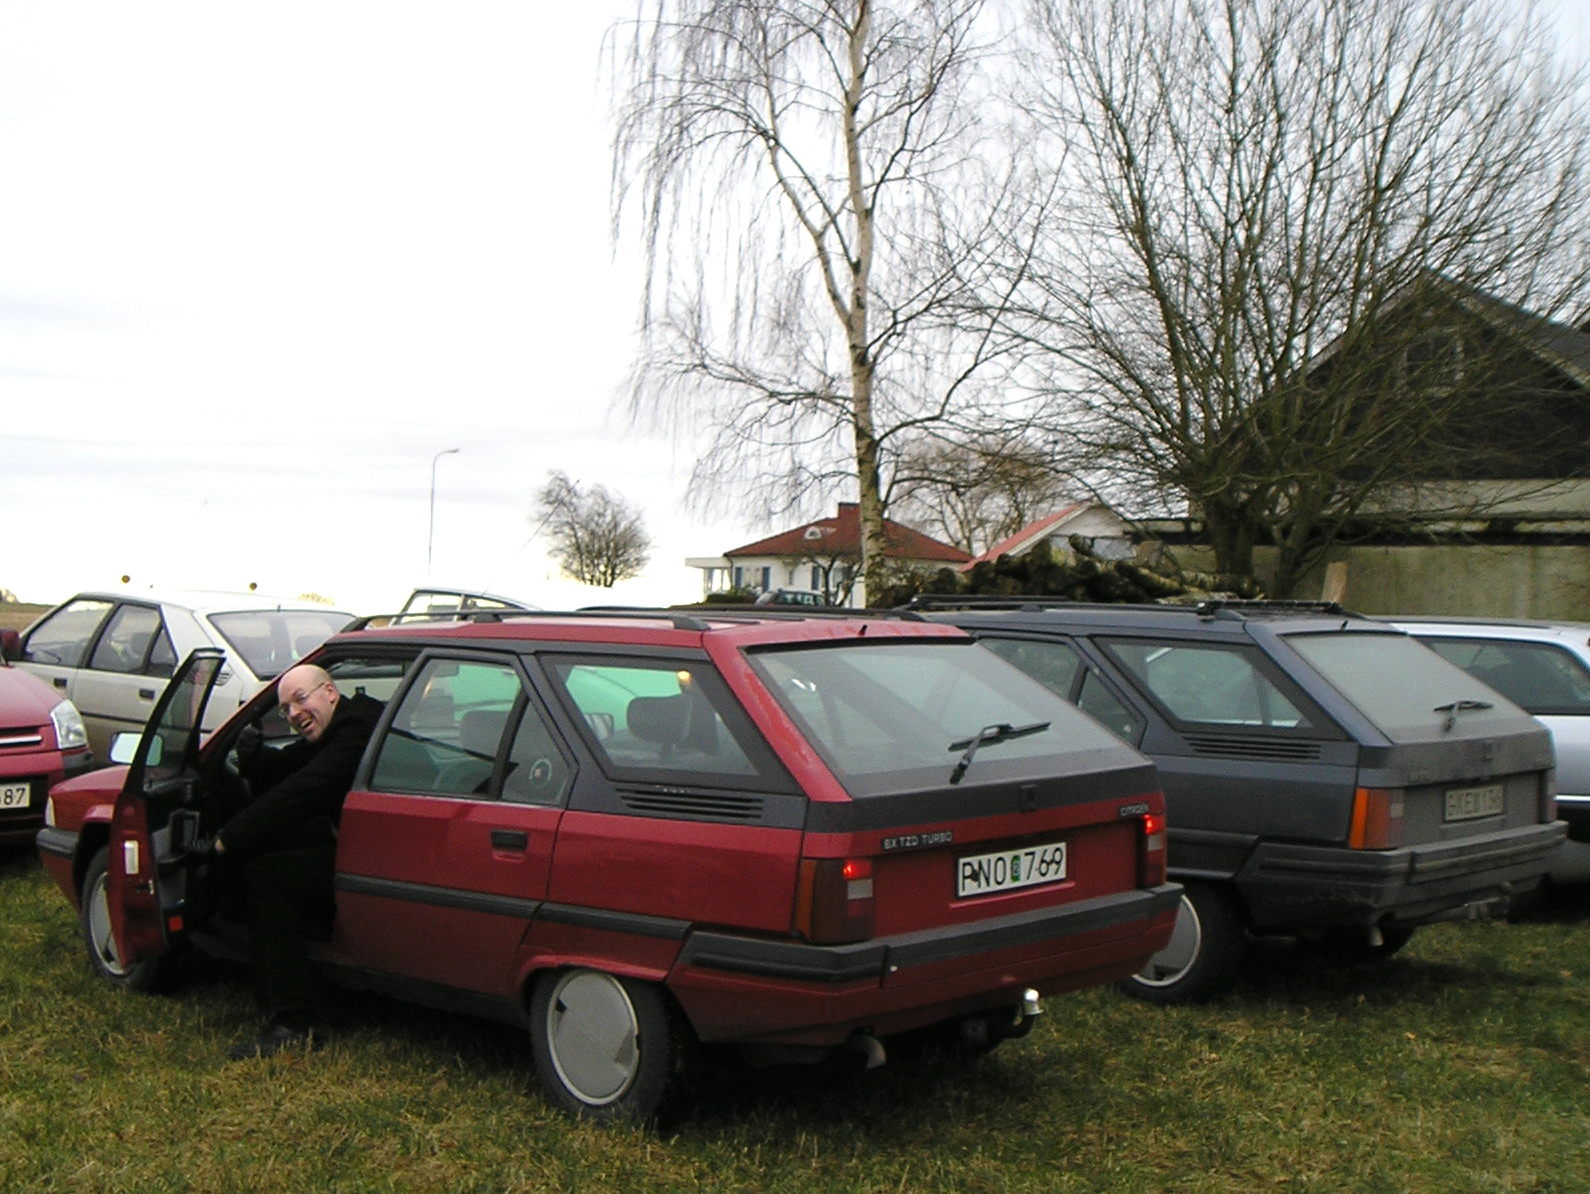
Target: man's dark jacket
x=304, y=784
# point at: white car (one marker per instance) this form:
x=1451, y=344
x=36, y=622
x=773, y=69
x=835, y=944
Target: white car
x=112, y=652
x=1544, y=667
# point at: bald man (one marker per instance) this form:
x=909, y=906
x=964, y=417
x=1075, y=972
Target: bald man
x=281, y=848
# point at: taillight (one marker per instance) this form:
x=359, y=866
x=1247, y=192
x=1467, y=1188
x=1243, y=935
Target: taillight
x=1151, y=856
x=834, y=904
x=1377, y=819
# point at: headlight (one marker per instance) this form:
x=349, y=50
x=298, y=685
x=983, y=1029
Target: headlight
x=70, y=732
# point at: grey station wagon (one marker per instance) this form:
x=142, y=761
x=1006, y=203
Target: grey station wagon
x=1326, y=776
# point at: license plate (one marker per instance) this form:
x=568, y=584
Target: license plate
x=1007, y=870
x=16, y=795
x=1469, y=804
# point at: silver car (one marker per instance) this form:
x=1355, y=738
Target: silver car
x=1545, y=668
x=112, y=652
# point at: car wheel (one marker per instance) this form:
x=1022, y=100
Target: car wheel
x=1204, y=954
x=101, y=943
x=606, y=1047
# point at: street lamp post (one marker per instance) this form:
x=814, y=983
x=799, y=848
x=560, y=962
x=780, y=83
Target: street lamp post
x=430, y=538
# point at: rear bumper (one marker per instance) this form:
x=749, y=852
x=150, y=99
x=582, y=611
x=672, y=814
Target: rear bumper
x=1294, y=886
x=817, y=994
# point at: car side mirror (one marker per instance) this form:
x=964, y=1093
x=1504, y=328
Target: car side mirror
x=10, y=645
x=124, y=746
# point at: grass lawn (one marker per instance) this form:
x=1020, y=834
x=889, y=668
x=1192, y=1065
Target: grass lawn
x=1463, y=1064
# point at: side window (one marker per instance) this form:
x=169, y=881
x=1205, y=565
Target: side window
x=62, y=639
x=1099, y=702
x=1058, y=666
x=1209, y=684
x=129, y=637
x=447, y=736
x=1538, y=677
x=1053, y=664
x=537, y=772
x=653, y=717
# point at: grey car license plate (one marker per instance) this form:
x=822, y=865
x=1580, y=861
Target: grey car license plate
x=1470, y=804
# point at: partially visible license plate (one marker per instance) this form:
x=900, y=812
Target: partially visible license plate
x=1469, y=804
x=1007, y=870
x=16, y=795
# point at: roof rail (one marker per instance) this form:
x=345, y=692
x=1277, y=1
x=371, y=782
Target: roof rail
x=1218, y=605
x=983, y=601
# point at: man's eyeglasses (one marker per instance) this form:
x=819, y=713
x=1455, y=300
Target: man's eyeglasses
x=298, y=700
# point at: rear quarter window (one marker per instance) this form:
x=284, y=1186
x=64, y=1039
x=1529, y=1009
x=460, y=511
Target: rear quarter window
x=664, y=721
x=1221, y=685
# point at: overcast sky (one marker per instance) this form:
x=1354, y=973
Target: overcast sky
x=260, y=263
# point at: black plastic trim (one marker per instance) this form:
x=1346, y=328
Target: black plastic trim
x=873, y=960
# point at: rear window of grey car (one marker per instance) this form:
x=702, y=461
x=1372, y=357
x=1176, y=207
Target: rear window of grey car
x=895, y=717
x=1405, y=689
x=1540, y=677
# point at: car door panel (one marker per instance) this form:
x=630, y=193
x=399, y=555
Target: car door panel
x=156, y=816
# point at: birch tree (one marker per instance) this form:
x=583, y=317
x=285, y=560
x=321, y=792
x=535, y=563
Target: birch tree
x=817, y=193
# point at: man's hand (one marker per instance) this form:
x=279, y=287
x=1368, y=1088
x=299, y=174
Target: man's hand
x=247, y=743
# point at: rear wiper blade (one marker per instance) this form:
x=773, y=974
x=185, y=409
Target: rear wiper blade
x=1002, y=732
x=1453, y=708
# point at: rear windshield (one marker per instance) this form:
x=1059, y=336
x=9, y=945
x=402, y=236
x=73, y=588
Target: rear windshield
x=270, y=641
x=902, y=716
x=1543, y=678
x=1404, y=688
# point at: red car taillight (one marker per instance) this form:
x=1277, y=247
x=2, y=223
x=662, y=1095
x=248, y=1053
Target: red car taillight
x=1377, y=819
x=834, y=902
x=1151, y=854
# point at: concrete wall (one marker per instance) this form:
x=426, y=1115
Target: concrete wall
x=1497, y=580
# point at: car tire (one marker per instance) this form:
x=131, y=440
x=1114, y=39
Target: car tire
x=94, y=916
x=1204, y=954
x=606, y=1047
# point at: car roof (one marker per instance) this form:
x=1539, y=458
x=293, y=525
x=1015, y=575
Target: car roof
x=1516, y=628
x=206, y=601
x=1214, y=617
x=741, y=626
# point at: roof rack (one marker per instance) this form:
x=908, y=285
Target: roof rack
x=1208, y=607
x=680, y=619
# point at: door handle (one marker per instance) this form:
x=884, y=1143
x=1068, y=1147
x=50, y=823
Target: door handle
x=510, y=839
x=59, y=681
x=147, y=694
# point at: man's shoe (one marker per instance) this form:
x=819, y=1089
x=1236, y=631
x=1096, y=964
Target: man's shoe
x=277, y=1038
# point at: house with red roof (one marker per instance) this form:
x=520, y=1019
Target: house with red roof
x=1103, y=529
x=822, y=557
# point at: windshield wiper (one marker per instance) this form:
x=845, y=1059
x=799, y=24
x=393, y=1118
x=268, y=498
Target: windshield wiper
x=1003, y=732
x=1453, y=708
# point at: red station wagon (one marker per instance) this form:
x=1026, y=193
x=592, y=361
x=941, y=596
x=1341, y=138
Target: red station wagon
x=635, y=833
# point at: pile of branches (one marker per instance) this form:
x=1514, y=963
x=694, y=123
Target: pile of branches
x=1085, y=576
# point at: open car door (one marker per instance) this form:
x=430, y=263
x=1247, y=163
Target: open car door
x=156, y=821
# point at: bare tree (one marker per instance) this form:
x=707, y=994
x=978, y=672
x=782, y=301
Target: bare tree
x=817, y=206
x=1250, y=188
x=597, y=537
x=975, y=491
